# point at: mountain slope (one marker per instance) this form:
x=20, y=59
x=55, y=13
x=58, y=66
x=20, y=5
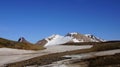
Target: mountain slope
x=18, y=45
x=70, y=37
x=57, y=39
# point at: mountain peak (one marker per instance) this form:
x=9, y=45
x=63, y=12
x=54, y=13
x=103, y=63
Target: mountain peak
x=22, y=39
x=72, y=34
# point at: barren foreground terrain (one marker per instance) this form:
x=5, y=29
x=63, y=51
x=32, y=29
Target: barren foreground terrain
x=8, y=55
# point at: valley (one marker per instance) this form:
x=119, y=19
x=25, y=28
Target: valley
x=71, y=50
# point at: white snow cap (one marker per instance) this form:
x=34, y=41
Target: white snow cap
x=73, y=33
x=57, y=39
x=88, y=34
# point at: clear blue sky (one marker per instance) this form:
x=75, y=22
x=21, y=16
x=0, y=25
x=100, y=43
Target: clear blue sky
x=37, y=19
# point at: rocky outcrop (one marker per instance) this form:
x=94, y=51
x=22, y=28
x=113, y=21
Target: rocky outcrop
x=22, y=39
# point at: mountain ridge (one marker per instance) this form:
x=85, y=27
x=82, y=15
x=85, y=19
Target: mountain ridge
x=69, y=37
x=18, y=45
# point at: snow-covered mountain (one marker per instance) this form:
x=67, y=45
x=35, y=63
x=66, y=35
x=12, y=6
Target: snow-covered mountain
x=70, y=37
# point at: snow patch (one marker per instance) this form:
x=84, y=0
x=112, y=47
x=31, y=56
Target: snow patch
x=6, y=55
x=75, y=40
x=57, y=39
x=8, y=51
